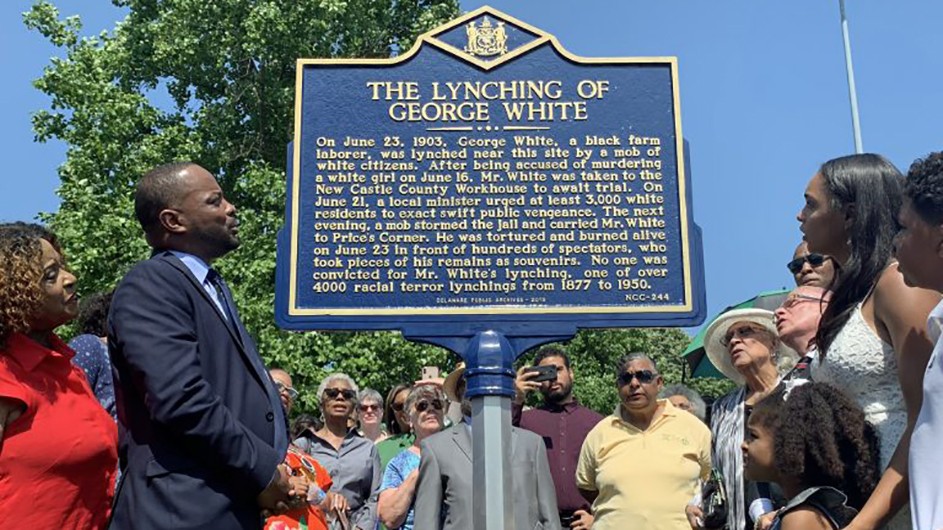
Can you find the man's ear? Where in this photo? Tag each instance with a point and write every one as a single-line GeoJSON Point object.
{"type": "Point", "coordinates": [172, 221]}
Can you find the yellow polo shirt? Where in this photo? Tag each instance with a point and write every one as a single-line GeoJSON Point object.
{"type": "Point", "coordinates": [645, 478]}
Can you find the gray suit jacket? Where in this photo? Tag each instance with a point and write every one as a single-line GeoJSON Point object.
{"type": "Point", "coordinates": [444, 493]}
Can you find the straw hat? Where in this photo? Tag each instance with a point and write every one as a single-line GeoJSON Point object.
{"type": "Point", "coordinates": [720, 357]}
{"type": "Point", "coordinates": [451, 382]}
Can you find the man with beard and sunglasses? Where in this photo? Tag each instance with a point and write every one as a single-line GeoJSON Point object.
{"type": "Point", "coordinates": [641, 466]}
{"type": "Point", "coordinates": [563, 424]}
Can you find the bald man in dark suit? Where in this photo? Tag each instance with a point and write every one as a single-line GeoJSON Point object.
{"type": "Point", "coordinates": [203, 427]}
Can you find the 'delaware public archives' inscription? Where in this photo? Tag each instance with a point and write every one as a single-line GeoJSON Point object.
{"type": "Point", "coordinates": [487, 171]}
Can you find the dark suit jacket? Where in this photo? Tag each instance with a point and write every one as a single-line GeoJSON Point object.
{"type": "Point", "coordinates": [444, 491]}
{"type": "Point", "coordinates": [196, 415]}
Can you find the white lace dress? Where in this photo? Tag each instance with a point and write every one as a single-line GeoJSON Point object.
{"type": "Point", "coordinates": [865, 367]}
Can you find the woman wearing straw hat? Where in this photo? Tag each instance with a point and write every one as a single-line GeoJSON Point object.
{"type": "Point", "coordinates": [744, 346]}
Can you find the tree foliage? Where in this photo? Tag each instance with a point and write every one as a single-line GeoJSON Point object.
{"type": "Point", "coordinates": [213, 82]}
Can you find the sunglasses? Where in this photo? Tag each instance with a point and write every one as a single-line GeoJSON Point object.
{"type": "Point", "coordinates": [815, 260]}
{"type": "Point", "coordinates": [292, 393]}
{"type": "Point", "coordinates": [332, 393]}
{"type": "Point", "coordinates": [398, 407]}
{"type": "Point", "coordinates": [424, 405]}
{"type": "Point", "coordinates": [367, 408]}
{"type": "Point", "coordinates": [744, 332]}
{"type": "Point", "coordinates": [644, 377]}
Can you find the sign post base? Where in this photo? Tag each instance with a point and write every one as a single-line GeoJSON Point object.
{"type": "Point", "coordinates": [490, 374]}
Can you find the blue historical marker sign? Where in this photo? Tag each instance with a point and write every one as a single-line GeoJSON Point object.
{"type": "Point", "coordinates": [488, 177]}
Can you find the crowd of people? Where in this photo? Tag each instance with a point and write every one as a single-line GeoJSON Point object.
{"type": "Point", "coordinates": [161, 413]}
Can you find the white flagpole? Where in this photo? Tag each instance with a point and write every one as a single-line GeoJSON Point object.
{"type": "Point", "coordinates": [852, 93]}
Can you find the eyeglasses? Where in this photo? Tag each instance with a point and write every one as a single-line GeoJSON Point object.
{"type": "Point", "coordinates": [292, 393]}
{"type": "Point", "coordinates": [815, 259]}
{"type": "Point", "coordinates": [367, 408]}
{"type": "Point", "coordinates": [644, 377]}
{"type": "Point", "coordinates": [796, 299]}
{"type": "Point", "coordinates": [744, 332]}
{"type": "Point", "coordinates": [332, 393]}
{"type": "Point", "coordinates": [398, 407]}
{"type": "Point", "coordinates": [424, 405]}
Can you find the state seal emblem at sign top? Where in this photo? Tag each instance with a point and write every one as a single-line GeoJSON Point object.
{"type": "Point", "coordinates": [486, 40]}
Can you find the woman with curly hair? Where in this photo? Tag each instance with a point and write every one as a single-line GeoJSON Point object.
{"type": "Point", "coordinates": [58, 447]}
{"type": "Point", "coordinates": [819, 448]}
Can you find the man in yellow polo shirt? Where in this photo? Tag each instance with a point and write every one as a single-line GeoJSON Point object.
{"type": "Point", "coordinates": [640, 467]}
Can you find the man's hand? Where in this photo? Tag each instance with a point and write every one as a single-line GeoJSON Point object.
{"type": "Point", "coordinates": [695, 516]}
{"type": "Point", "coordinates": [277, 496]}
{"type": "Point", "coordinates": [523, 384]}
{"type": "Point", "coordinates": [10, 410]}
{"type": "Point", "coordinates": [584, 520]}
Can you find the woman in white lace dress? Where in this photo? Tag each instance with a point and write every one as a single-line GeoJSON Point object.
{"type": "Point", "coordinates": [872, 335]}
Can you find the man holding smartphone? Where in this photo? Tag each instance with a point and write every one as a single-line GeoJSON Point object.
{"type": "Point", "coordinates": [562, 423]}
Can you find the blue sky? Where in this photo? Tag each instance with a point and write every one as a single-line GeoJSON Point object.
{"type": "Point", "coordinates": [764, 102]}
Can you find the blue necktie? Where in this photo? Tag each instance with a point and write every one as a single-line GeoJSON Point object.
{"type": "Point", "coordinates": [229, 309]}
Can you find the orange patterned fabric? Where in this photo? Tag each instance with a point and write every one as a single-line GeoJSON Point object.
{"type": "Point", "coordinates": [308, 517]}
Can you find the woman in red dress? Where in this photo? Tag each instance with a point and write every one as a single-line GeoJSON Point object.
{"type": "Point", "coordinates": [58, 446]}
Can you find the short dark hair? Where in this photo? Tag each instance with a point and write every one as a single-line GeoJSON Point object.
{"type": "Point", "coordinates": [634, 356]}
{"type": "Point", "coordinates": [93, 314]}
{"type": "Point", "coordinates": [551, 351]}
{"type": "Point", "coordinates": [924, 187]}
{"type": "Point", "coordinates": [157, 190]}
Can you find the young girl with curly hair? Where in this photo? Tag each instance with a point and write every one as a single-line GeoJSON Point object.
{"type": "Point", "coordinates": [818, 447]}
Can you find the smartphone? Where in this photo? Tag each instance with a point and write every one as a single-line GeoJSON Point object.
{"type": "Point", "coordinates": [544, 373]}
{"type": "Point", "coordinates": [429, 372]}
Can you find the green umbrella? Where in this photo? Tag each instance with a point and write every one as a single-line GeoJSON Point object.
{"type": "Point", "coordinates": [700, 364]}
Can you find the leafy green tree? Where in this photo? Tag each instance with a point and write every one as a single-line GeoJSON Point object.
{"type": "Point", "coordinates": [213, 82]}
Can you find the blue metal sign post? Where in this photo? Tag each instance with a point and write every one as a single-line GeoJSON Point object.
{"type": "Point", "coordinates": [487, 191]}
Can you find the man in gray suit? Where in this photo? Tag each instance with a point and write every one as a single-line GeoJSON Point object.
{"type": "Point", "coordinates": [444, 494]}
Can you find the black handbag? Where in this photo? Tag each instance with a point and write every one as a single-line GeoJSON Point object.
{"type": "Point", "coordinates": [714, 501]}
